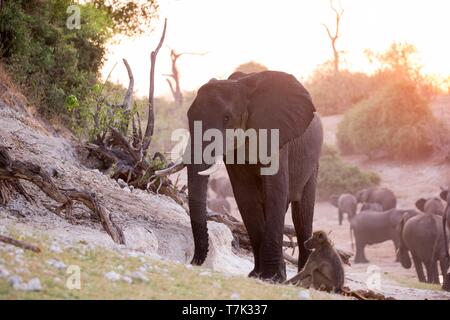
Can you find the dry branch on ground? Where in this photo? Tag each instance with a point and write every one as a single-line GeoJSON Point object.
{"type": "Point", "coordinates": [12, 171]}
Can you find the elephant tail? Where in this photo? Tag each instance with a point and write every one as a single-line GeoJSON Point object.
{"type": "Point", "coordinates": [403, 250]}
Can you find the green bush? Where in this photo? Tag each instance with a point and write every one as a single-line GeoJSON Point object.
{"type": "Point", "coordinates": [335, 93]}
{"type": "Point", "coordinates": [58, 67]}
{"type": "Point", "coordinates": [393, 123]}
{"type": "Point", "coordinates": [48, 60]}
{"type": "Point", "coordinates": [337, 177]}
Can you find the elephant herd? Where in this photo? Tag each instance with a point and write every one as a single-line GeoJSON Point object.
{"type": "Point", "coordinates": [420, 235]}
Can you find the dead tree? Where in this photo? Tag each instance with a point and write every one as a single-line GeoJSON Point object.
{"type": "Point", "coordinates": [173, 79]}
{"type": "Point", "coordinates": [125, 157]}
{"type": "Point", "coordinates": [335, 36]}
{"type": "Point", "coordinates": [147, 139]}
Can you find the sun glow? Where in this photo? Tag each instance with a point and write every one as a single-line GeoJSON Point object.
{"type": "Point", "coordinates": [285, 35]}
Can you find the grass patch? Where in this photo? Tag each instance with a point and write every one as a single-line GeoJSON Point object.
{"type": "Point", "coordinates": [167, 280]}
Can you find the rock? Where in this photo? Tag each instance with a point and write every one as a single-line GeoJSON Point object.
{"type": "Point", "coordinates": [113, 276]}
{"type": "Point", "coordinates": [235, 296]}
{"type": "Point", "coordinates": [140, 239]}
{"type": "Point", "coordinates": [205, 274]}
{"type": "Point", "coordinates": [304, 295]}
{"type": "Point", "coordinates": [56, 264]}
{"type": "Point", "coordinates": [137, 275]}
{"type": "Point", "coordinates": [220, 255]}
{"type": "Point", "coordinates": [126, 189]}
{"type": "Point", "coordinates": [34, 285]}
{"type": "Point", "coordinates": [14, 281]}
{"type": "Point", "coordinates": [188, 266]}
{"type": "Point", "coordinates": [127, 279]}
{"type": "Point", "coordinates": [3, 272]}
{"type": "Point", "coordinates": [122, 183]}
{"type": "Point", "coordinates": [55, 248]}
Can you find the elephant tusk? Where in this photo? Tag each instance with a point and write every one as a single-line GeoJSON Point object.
{"type": "Point", "coordinates": [174, 167]}
{"type": "Point", "coordinates": [218, 163]}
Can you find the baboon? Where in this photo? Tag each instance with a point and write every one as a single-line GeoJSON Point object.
{"type": "Point", "coordinates": [323, 269]}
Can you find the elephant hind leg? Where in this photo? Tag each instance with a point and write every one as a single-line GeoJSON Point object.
{"type": "Point", "coordinates": [432, 272]}
{"type": "Point", "coordinates": [302, 216]}
{"type": "Point", "coordinates": [419, 268]}
{"type": "Point", "coordinates": [360, 256]}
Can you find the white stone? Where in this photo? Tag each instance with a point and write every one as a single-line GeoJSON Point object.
{"type": "Point", "coordinates": [56, 264]}
{"type": "Point", "coordinates": [113, 276]}
{"type": "Point", "coordinates": [122, 183]}
{"type": "Point", "coordinates": [304, 295]}
{"type": "Point", "coordinates": [55, 248]}
{"type": "Point", "coordinates": [34, 285]}
{"type": "Point", "coordinates": [139, 276]}
{"type": "Point", "coordinates": [14, 281]}
{"type": "Point", "coordinates": [235, 296]}
{"type": "Point", "coordinates": [140, 239]}
{"type": "Point", "coordinates": [3, 272]}
{"type": "Point", "coordinates": [127, 279]}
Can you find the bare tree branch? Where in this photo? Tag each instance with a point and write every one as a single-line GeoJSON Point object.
{"type": "Point", "coordinates": [147, 139]}
{"type": "Point", "coordinates": [175, 86]}
{"type": "Point", "coordinates": [128, 99]}
{"type": "Point", "coordinates": [19, 244]}
{"type": "Point", "coordinates": [17, 170]}
{"type": "Point", "coordinates": [334, 37]}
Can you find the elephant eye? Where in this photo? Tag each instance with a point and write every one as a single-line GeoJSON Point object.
{"type": "Point", "coordinates": [226, 118]}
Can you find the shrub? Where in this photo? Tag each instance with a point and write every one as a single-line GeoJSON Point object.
{"type": "Point", "coordinates": [393, 123]}
{"type": "Point", "coordinates": [337, 177]}
{"type": "Point", "coordinates": [335, 93]}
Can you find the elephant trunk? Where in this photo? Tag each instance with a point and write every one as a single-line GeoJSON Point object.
{"type": "Point", "coordinates": [197, 186]}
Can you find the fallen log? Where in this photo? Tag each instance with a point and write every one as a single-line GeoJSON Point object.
{"type": "Point", "coordinates": [20, 244]}
{"type": "Point", "coordinates": [240, 235]}
{"type": "Point", "coordinates": [12, 171]}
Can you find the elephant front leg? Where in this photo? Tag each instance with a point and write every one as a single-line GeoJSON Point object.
{"type": "Point", "coordinates": [247, 188]}
{"type": "Point", "coordinates": [272, 263]}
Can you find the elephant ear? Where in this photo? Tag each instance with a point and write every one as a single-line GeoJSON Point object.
{"type": "Point", "coordinates": [237, 75]}
{"type": "Point", "coordinates": [444, 195]}
{"type": "Point", "coordinates": [276, 100]}
{"type": "Point", "coordinates": [420, 204]}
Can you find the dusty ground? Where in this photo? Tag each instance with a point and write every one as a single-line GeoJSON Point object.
{"type": "Point", "coordinates": [409, 181]}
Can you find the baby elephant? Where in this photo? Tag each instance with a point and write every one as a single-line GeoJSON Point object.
{"type": "Point", "coordinates": [346, 203]}
{"type": "Point", "coordinates": [323, 269]}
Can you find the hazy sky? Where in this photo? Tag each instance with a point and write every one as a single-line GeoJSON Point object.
{"type": "Point", "coordinates": [285, 35]}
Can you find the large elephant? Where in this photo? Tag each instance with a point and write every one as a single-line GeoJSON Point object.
{"type": "Point", "coordinates": [382, 196]}
{"type": "Point", "coordinates": [422, 235]}
{"type": "Point", "coordinates": [370, 227]}
{"type": "Point", "coordinates": [261, 101]}
{"type": "Point", "coordinates": [445, 195]}
{"type": "Point", "coordinates": [346, 203]}
{"type": "Point", "coordinates": [432, 206]}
